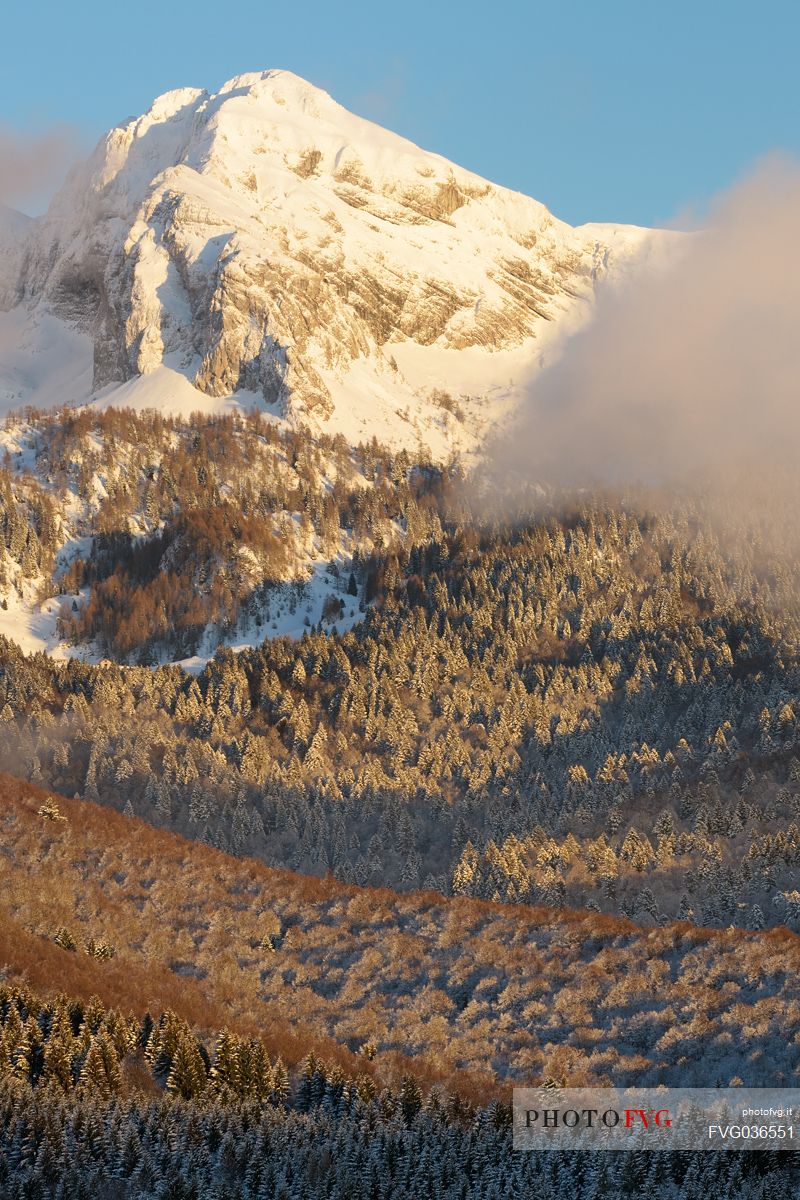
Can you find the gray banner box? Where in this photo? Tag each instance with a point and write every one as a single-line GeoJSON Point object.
{"type": "Point", "coordinates": [729, 1119]}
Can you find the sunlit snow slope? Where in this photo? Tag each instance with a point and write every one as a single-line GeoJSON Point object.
{"type": "Point", "coordinates": [262, 245]}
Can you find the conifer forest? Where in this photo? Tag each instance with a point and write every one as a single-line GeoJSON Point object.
{"type": "Point", "coordinates": [352, 795]}
{"type": "Point", "coordinates": [399, 601]}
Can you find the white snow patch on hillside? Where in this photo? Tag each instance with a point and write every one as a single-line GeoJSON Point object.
{"type": "Point", "coordinates": [32, 625]}
{"type": "Point", "coordinates": [293, 609]}
{"type": "Point", "coordinates": [43, 362]}
{"type": "Point", "coordinates": [169, 391]}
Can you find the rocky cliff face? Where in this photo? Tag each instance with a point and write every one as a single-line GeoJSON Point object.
{"type": "Point", "coordinates": [264, 239]}
{"type": "Point", "coordinates": [14, 233]}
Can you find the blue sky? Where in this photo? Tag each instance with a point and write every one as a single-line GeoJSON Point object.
{"type": "Point", "coordinates": [626, 111]}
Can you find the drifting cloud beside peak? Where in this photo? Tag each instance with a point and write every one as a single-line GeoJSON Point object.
{"type": "Point", "coordinates": [32, 166]}
{"type": "Point", "coordinates": [689, 372]}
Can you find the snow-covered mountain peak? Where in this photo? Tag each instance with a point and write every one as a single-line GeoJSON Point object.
{"type": "Point", "coordinates": [168, 105]}
{"type": "Point", "coordinates": [279, 85]}
{"type": "Point", "coordinates": [263, 243]}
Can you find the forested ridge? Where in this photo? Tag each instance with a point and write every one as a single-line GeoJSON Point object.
{"type": "Point", "coordinates": [94, 1104]}
{"type": "Point", "coordinates": [125, 1074]}
{"type": "Point", "coordinates": [521, 804]}
{"type": "Point", "coordinates": [472, 990]}
{"type": "Point", "coordinates": [566, 704]}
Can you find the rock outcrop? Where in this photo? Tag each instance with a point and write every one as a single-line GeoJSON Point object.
{"type": "Point", "coordinates": [264, 239]}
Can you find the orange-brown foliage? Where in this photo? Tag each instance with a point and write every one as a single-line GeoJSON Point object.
{"type": "Point", "coordinates": [474, 992]}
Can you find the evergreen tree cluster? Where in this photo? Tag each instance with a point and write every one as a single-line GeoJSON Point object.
{"type": "Point", "coordinates": [474, 991]}
{"type": "Point", "coordinates": [93, 1104]}
{"type": "Point", "coordinates": [526, 697]}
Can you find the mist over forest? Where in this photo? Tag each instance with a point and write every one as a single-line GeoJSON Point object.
{"type": "Point", "coordinates": [399, 664]}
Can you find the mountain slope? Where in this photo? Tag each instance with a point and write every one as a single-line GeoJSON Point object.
{"type": "Point", "coordinates": [502, 992]}
{"type": "Point", "coordinates": [14, 230]}
{"type": "Point", "coordinates": [264, 242]}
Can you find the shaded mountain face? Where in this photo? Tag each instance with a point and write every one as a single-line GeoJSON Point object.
{"type": "Point", "coordinates": [264, 240]}
{"type": "Point", "coordinates": [14, 231]}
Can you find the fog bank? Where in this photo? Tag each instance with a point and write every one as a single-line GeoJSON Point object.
{"type": "Point", "coordinates": [689, 374]}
